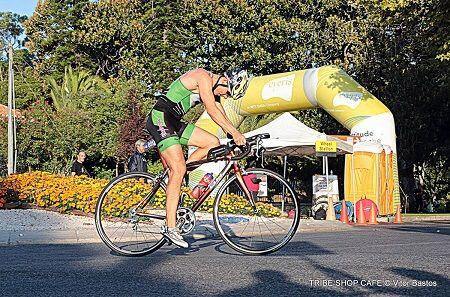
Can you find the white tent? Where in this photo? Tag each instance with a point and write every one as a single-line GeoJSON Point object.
{"type": "Point", "coordinates": [290, 137]}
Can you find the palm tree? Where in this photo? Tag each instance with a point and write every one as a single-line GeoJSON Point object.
{"type": "Point", "coordinates": [75, 83]}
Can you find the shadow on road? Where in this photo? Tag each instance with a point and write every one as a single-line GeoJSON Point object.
{"type": "Point", "coordinates": [420, 282]}
{"type": "Point", "coordinates": [422, 229]}
{"type": "Point", "coordinates": [275, 283]}
{"type": "Point", "coordinates": [89, 269]}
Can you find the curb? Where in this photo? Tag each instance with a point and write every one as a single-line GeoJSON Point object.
{"type": "Point", "coordinates": [90, 235]}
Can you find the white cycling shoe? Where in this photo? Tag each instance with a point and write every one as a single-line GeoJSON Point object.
{"type": "Point", "coordinates": [174, 236]}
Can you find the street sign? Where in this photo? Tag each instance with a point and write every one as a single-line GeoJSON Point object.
{"type": "Point", "coordinates": [326, 148]}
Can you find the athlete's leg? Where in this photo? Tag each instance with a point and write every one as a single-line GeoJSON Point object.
{"type": "Point", "coordinates": [204, 141]}
{"type": "Point", "coordinates": [174, 158]}
{"type": "Point", "coordinates": [164, 163]}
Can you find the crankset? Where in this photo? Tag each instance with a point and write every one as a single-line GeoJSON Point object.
{"type": "Point", "coordinates": [185, 220]}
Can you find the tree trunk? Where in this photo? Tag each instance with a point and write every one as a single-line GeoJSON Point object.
{"type": "Point", "coordinates": [407, 183]}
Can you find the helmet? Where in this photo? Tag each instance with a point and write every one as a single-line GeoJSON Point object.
{"type": "Point", "coordinates": [237, 82]}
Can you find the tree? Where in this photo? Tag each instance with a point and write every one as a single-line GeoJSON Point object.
{"type": "Point", "coordinates": [131, 126]}
{"type": "Point", "coordinates": [27, 87]}
{"type": "Point", "coordinates": [74, 85]}
{"type": "Point", "coordinates": [143, 40]}
{"type": "Point", "coordinates": [51, 33]}
{"type": "Point", "coordinates": [398, 50]}
{"type": "Point", "coordinates": [10, 28]}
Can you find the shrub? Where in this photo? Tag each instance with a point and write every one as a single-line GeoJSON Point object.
{"type": "Point", "coordinates": [67, 193]}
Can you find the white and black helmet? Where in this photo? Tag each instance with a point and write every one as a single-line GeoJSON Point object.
{"type": "Point", "coordinates": [237, 82]}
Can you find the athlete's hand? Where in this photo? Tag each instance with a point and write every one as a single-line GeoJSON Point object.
{"type": "Point", "coordinates": [238, 138]}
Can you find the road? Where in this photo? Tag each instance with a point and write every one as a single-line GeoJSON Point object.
{"type": "Point", "coordinates": [404, 260]}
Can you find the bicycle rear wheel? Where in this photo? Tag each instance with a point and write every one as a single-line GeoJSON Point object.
{"type": "Point", "coordinates": [123, 228]}
{"type": "Point", "coordinates": [262, 230]}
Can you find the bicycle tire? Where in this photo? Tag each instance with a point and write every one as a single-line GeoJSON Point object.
{"type": "Point", "coordinates": [104, 219]}
{"type": "Point", "coordinates": [240, 243]}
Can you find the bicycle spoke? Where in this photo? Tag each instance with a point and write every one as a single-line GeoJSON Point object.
{"type": "Point", "coordinates": [269, 230]}
{"type": "Point", "coordinates": [278, 225]}
{"type": "Point", "coordinates": [265, 230]}
{"type": "Point", "coordinates": [151, 233]}
{"type": "Point", "coordinates": [251, 238]}
{"type": "Point", "coordinates": [244, 228]}
{"type": "Point", "coordinates": [124, 230]}
{"type": "Point", "coordinates": [260, 233]}
{"type": "Point", "coordinates": [116, 230]}
{"type": "Point", "coordinates": [118, 225]}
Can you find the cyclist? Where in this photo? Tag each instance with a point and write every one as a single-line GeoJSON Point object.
{"type": "Point", "coordinates": [165, 125]}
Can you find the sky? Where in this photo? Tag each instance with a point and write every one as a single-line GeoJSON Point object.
{"type": "Point", "coordinates": [22, 7]}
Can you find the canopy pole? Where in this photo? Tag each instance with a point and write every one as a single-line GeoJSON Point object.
{"type": "Point", "coordinates": [323, 165]}
{"type": "Point", "coordinates": [284, 175]}
{"type": "Point", "coordinates": [326, 174]}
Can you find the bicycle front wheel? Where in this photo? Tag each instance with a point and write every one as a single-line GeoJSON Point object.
{"type": "Point", "coordinates": [125, 229]}
{"type": "Point", "coordinates": [261, 227]}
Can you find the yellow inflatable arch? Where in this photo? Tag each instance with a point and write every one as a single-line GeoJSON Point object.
{"type": "Point", "coordinates": [327, 87]}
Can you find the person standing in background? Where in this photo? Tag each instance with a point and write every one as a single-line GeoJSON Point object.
{"type": "Point", "coordinates": [78, 167]}
{"type": "Point", "coordinates": [137, 161]}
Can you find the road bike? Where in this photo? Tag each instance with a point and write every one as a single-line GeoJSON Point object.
{"type": "Point", "coordinates": [255, 211]}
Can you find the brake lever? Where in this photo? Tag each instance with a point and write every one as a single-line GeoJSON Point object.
{"type": "Point", "coordinates": [245, 150]}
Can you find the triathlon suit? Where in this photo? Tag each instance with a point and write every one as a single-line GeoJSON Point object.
{"type": "Point", "coordinates": [164, 120]}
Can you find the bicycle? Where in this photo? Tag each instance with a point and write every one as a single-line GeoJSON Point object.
{"type": "Point", "coordinates": [255, 211]}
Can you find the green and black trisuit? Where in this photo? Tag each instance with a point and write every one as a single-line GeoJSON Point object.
{"type": "Point", "coordinates": [164, 120]}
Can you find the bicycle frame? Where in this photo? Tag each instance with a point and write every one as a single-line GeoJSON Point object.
{"type": "Point", "coordinates": [219, 179]}
{"type": "Point", "coordinates": [266, 220]}
{"type": "Point", "coordinates": [206, 193]}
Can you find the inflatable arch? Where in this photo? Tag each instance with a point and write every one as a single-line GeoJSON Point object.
{"type": "Point", "coordinates": [326, 87]}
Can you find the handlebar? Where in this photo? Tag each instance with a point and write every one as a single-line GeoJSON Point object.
{"type": "Point", "coordinates": [250, 142]}
{"type": "Point", "coordinates": [222, 151]}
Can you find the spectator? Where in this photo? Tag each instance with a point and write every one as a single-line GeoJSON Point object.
{"type": "Point", "coordinates": [137, 161]}
{"type": "Point", "coordinates": [78, 167]}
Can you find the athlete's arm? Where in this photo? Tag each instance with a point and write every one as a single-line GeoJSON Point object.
{"type": "Point", "coordinates": [220, 107]}
{"type": "Point", "coordinates": [217, 115]}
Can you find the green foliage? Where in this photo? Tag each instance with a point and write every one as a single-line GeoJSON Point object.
{"type": "Point", "coordinates": [49, 140]}
{"type": "Point", "coordinates": [75, 84]}
{"type": "Point", "coordinates": [135, 39]}
{"type": "Point", "coordinates": [51, 33]}
{"type": "Point", "coordinates": [28, 88]}
{"type": "Point", "coordinates": [155, 167]}
{"type": "Point", "coordinates": [435, 176]}
{"type": "Point", "coordinates": [406, 75]}
{"type": "Point", "coordinates": [102, 173]}
{"type": "Point", "coordinates": [10, 27]}
{"type": "Point", "coordinates": [398, 50]}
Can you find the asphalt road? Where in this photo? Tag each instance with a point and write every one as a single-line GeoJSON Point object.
{"type": "Point", "coordinates": [405, 260]}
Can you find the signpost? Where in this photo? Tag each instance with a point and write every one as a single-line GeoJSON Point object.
{"type": "Point", "coordinates": [326, 149]}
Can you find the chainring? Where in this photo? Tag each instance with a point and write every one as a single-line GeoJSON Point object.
{"type": "Point", "coordinates": [185, 220]}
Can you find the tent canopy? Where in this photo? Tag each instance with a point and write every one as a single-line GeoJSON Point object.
{"type": "Point", "coordinates": [289, 136]}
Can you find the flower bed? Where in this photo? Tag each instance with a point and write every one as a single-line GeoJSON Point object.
{"type": "Point", "coordinates": [53, 191]}
{"type": "Point", "coordinates": [67, 193]}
